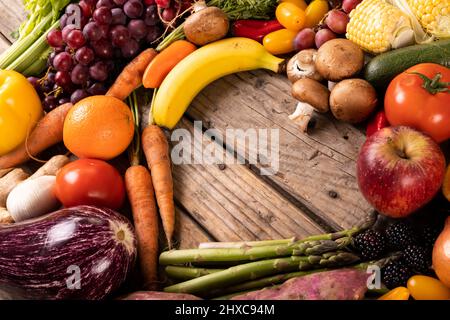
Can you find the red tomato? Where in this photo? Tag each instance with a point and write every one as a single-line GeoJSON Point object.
{"type": "Point", "coordinates": [90, 182]}
{"type": "Point", "coordinates": [409, 103]}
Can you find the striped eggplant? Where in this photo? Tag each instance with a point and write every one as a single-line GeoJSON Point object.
{"type": "Point", "coordinates": [82, 253]}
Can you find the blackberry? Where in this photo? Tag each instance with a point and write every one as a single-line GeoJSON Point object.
{"type": "Point", "coordinates": [400, 235]}
{"type": "Point", "coordinates": [429, 234]}
{"type": "Point", "coordinates": [396, 274]}
{"type": "Point", "coordinates": [370, 244]}
{"type": "Point", "coordinates": [418, 258]}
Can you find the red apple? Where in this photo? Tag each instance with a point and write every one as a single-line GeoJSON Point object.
{"type": "Point", "coordinates": [400, 170]}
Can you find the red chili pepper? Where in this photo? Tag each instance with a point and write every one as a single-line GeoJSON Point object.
{"type": "Point", "coordinates": [255, 29]}
{"type": "Point", "coordinates": [378, 122]}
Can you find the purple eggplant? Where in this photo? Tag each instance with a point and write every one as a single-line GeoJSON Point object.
{"type": "Point", "coordinates": [82, 253]}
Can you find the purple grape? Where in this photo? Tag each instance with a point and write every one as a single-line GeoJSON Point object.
{"type": "Point", "coordinates": [120, 2]}
{"type": "Point", "coordinates": [86, 8]}
{"type": "Point", "coordinates": [130, 49]}
{"type": "Point", "coordinates": [105, 3]}
{"type": "Point", "coordinates": [92, 32]}
{"type": "Point", "coordinates": [99, 71]}
{"type": "Point", "coordinates": [119, 36]}
{"type": "Point", "coordinates": [97, 89]}
{"type": "Point", "coordinates": [63, 21]}
{"type": "Point", "coordinates": [153, 34]}
{"type": "Point", "coordinates": [118, 16]}
{"type": "Point", "coordinates": [34, 81]}
{"type": "Point", "coordinates": [54, 38]}
{"type": "Point", "coordinates": [138, 29]}
{"type": "Point", "coordinates": [337, 21]}
{"type": "Point", "coordinates": [323, 36]}
{"type": "Point", "coordinates": [151, 17]}
{"type": "Point", "coordinates": [304, 39]}
{"type": "Point", "coordinates": [51, 77]}
{"type": "Point", "coordinates": [75, 39]}
{"type": "Point", "coordinates": [79, 75]}
{"type": "Point", "coordinates": [63, 101]}
{"type": "Point", "coordinates": [133, 9]}
{"type": "Point", "coordinates": [62, 79]}
{"type": "Point", "coordinates": [102, 15]}
{"type": "Point", "coordinates": [85, 56]}
{"type": "Point", "coordinates": [67, 29]}
{"type": "Point", "coordinates": [78, 95]}
{"type": "Point", "coordinates": [103, 49]}
{"type": "Point", "coordinates": [63, 62]}
{"type": "Point", "coordinates": [50, 102]}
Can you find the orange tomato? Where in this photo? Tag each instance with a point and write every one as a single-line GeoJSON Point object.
{"type": "Point", "coordinates": [427, 288]}
{"type": "Point", "coordinates": [299, 3]}
{"type": "Point", "coordinates": [413, 99]}
{"type": "Point", "coordinates": [98, 127]}
{"type": "Point", "coordinates": [290, 16]}
{"type": "Point", "coordinates": [400, 293]}
{"type": "Point", "coordinates": [315, 12]}
{"type": "Point", "coordinates": [280, 41]}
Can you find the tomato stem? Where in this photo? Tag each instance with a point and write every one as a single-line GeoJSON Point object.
{"type": "Point", "coordinates": [434, 85]}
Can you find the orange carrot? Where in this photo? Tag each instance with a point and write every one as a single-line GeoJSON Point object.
{"type": "Point", "coordinates": [48, 132]}
{"type": "Point", "coordinates": [156, 149]}
{"type": "Point", "coordinates": [145, 214]}
{"type": "Point", "coordinates": [131, 76]}
{"type": "Point", "coordinates": [160, 67]}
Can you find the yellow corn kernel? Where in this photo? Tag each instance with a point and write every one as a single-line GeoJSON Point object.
{"type": "Point", "coordinates": [433, 15]}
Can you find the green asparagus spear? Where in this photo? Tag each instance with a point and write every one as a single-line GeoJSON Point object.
{"type": "Point", "coordinates": [254, 270]}
{"type": "Point", "coordinates": [187, 273]}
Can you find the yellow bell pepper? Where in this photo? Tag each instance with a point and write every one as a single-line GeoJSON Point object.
{"type": "Point", "coordinates": [20, 109]}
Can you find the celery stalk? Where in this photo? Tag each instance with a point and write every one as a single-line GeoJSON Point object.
{"type": "Point", "coordinates": [21, 46]}
{"type": "Point", "coordinates": [39, 65]}
{"type": "Point", "coordinates": [32, 53]}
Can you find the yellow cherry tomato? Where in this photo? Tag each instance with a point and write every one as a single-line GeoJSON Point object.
{"type": "Point", "coordinates": [315, 12]}
{"type": "Point", "coordinates": [290, 16]}
{"type": "Point", "coordinates": [280, 41]}
{"type": "Point", "coordinates": [299, 3]}
{"type": "Point", "coordinates": [427, 288]}
{"type": "Point", "coordinates": [20, 109]}
{"type": "Point", "coordinates": [400, 293]}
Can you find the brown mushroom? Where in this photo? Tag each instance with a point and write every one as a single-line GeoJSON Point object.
{"type": "Point", "coordinates": [312, 96]}
{"type": "Point", "coordinates": [339, 59]}
{"type": "Point", "coordinates": [353, 100]}
{"type": "Point", "coordinates": [206, 24]}
{"type": "Point", "coordinates": [302, 65]}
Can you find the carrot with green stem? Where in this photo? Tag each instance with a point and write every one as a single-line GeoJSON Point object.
{"type": "Point", "coordinates": [156, 150]}
{"type": "Point", "coordinates": [48, 132]}
{"type": "Point", "coordinates": [138, 182]}
{"type": "Point", "coordinates": [131, 76]}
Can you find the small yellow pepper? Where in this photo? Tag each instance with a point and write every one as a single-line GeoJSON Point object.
{"type": "Point", "coordinates": [280, 41]}
{"type": "Point", "coordinates": [400, 293]}
{"type": "Point", "coordinates": [427, 288]}
{"type": "Point", "coordinates": [290, 16]}
{"type": "Point", "coordinates": [299, 3]}
{"type": "Point", "coordinates": [20, 109]}
{"type": "Point", "coordinates": [315, 12]}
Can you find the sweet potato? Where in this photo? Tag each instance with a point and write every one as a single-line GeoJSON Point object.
{"type": "Point", "coordinates": [343, 284]}
{"type": "Point", "coordinates": [154, 295]}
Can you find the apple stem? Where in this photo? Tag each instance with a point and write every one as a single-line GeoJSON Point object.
{"type": "Point", "coordinates": [434, 85]}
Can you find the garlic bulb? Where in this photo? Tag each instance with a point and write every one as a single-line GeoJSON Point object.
{"type": "Point", "coordinates": [32, 198]}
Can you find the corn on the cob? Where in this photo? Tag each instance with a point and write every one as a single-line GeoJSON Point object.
{"type": "Point", "coordinates": [377, 26]}
{"type": "Point", "coordinates": [433, 15]}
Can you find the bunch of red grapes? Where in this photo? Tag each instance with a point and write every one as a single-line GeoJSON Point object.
{"type": "Point", "coordinates": [88, 54]}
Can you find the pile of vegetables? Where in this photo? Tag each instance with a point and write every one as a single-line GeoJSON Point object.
{"type": "Point", "coordinates": [85, 98]}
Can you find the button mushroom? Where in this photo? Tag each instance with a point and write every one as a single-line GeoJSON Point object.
{"type": "Point", "coordinates": [302, 65]}
{"type": "Point", "coordinates": [312, 96]}
{"type": "Point", "coordinates": [353, 100]}
{"type": "Point", "coordinates": [339, 59]}
{"type": "Point", "coordinates": [206, 24]}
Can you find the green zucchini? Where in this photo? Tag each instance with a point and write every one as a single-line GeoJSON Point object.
{"type": "Point", "coordinates": [383, 68]}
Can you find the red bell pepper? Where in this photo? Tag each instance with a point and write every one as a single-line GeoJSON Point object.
{"type": "Point", "coordinates": [378, 122]}
{"type": "Point", "coordinates": [255, 29]}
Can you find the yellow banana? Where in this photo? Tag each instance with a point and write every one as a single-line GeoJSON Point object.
{"type": "Point", "coordinates": [202, 67]}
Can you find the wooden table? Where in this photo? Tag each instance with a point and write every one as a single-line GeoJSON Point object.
{"type": "Point", "coordinates": [315, 189]}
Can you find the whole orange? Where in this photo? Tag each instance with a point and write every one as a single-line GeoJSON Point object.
{"type": "Point", "coordinates": [98, 127]}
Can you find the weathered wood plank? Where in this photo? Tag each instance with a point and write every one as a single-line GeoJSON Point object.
{"type": "Point", "coordinates": [234, 204]}
{"type": "Point", "coordinates": [12, 15]}
{"type": "Point", "coordinates": [4, 44]}
{"type": "Point", "coordinates": [317, 169]}
{"type": "Point", "coordinates": [189, 233]}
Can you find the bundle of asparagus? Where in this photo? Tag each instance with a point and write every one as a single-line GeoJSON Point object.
{"type": "Point", "coordinates": [217, 269]}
